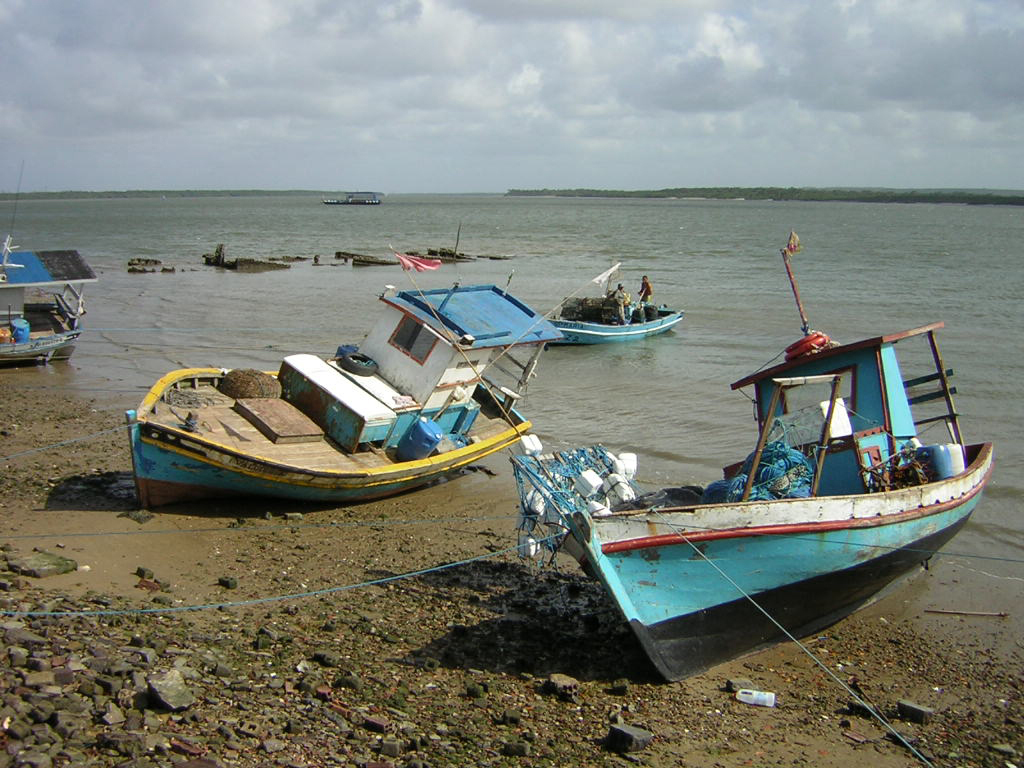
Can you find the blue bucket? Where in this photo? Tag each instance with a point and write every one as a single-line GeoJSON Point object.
{"type": "Point", "coordinates": [20, 330]}
{"type": "Point", "coordinates": [420, 440]}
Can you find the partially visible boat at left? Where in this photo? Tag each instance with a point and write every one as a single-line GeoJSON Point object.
{"type": "Point", "coordinates": [41, 304]}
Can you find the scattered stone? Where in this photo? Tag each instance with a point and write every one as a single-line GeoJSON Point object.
{"type": "Point", "coordinates": [734, 684]}
{"type": "Point", "coordinates": [510, 717]}
{"type": "Point", "coordinates": [620, 687]}
{"type": "Point", "coordinates": [627, 738]}
{"type": "Point", "coordinates": [228, 582]}
{"type": "Point", "coordinates": [169, 690]}
{"type": "Point", "coordinates": [563, 686]}
{"type": "Point", "coordinates": [516, 749]}
{"type": "Point", "coordinates": [915, 713]}
{"type": "Point", "coordinates": [40, 564]}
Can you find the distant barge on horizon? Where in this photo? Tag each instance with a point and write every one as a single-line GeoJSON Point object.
{"type": "Point", "coordinates": [354, 198]}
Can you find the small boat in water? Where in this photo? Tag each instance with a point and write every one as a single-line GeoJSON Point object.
{"type": "Point", "coordinates": [842, 494]}
{"type": "Point", "coordinates": [422, 397]}
{"type": "Point", "coordinates": [586, 320]}
{"type": "Point", "coordinates": [41, 303]}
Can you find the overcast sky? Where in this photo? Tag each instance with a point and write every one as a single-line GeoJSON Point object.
{"type": "Point", "coordinates": [487, 95]}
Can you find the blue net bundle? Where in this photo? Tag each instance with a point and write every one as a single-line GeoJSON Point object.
{"type": "Point", "coordinates": [782, 473]}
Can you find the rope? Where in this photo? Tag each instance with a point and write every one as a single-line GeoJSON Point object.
{"type": "Point", "coordinates": [63, 443]}
{"type": "Point", "coordinates": [260, 529]}
{"type": "Point", "coordinates": [258, 600]}
{"type": "Point", "coordinates": [857, 697]}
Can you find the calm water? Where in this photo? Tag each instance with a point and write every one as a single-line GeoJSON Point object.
{"type": "Point", "coordinates": [865, 270]}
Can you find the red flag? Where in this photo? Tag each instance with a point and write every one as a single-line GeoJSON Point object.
{"type": "Point", "coordinates": [416, 262]}
{"type": "Point", "coordinates": [793, 246]}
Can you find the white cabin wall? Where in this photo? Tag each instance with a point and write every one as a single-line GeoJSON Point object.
{"type": "Point", "coordinates": [12, 299]}
{"type": "Point", "coordinates": [404, 373]}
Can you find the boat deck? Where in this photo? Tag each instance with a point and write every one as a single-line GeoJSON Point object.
{"type": "Point", "coordinates": [218, 421]}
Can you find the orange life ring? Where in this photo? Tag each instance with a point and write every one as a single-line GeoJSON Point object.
{"type": "Point", "coordinates": [812, 342]}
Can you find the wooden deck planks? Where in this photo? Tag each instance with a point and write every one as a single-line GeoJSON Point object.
{"type": "Point", "coordinates": [219, 421]}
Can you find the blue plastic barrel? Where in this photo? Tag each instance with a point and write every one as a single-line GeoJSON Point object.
{"type": "Point", "coordinates": [20, 330]}
{"type": "Point", "coordinates": [938, 461]}
{"type": "Point", "coordinates": [420, 440]}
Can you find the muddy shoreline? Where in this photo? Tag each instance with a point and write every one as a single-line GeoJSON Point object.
{"type": "Point", "coordinates": [302, 639]}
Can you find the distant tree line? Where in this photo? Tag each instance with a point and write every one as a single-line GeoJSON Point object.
{"type": "Point", "coordinates": [972, 197]}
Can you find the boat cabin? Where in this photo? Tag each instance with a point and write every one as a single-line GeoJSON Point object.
{"type": "Point", "coordinates": [849, 408]}
{"type": "Point", "coordinates": [434, 358]}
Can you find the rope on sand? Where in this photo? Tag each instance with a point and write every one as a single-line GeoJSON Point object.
{"type": "Point", "coordinates": [257, 600]}
{"type": "Point", "coordinates": [62, 443]}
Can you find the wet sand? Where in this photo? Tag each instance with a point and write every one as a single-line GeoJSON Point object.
{"type": "Point", "coordinates": [452, 661]}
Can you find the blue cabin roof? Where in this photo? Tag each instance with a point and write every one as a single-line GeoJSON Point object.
{"type": "Point", "coordinates": [491, 316]}
{"type": "Point", "coordinates": [43, 268]}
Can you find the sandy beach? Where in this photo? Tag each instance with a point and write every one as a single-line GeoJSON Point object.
{"type": "Point", "coordinates": [407, 633]}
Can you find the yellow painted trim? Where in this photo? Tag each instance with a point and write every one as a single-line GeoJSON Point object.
{"type": "Point", "coordinates": [365, 479]}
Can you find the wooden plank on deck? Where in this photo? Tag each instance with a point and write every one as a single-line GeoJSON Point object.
{"type": "Point", "coordinates": [279, 420]}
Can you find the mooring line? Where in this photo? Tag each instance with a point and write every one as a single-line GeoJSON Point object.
{"type": "Point", "coordinates": [257, 600]}
{"type": "Point", "coordinates": [872, 710]}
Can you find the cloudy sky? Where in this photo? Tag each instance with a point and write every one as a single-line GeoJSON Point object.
{"type": "Point", "coordinates": [486, 95]}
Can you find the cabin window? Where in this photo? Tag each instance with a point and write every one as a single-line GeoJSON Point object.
{"type": "Point", "coordinates": [804, 409]}
{"type": "Point", "coordinates": [413, 338]}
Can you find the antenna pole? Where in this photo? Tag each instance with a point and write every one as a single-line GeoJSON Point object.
{"type": "Point", "coordinates": [793, 246]}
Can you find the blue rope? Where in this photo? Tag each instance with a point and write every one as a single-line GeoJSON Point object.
{"type": "Point", "coordinates": [61, 444]}
{"type": "Point", "coordinates": [258, 600]}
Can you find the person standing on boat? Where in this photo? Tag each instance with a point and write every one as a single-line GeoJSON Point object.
{"type": "Point", "coordinates": [646, 290]}
{"type": "Point", "coordinates": [621, 300]}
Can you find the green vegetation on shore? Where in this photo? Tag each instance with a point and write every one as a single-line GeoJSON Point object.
{"type": "Point", "coordinates": [968, 197]}
{"type": "Point", "coordinates": [822, 194]}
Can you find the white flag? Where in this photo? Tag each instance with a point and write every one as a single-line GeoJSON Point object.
{"type": "Point", "coordinates": [606, 274]}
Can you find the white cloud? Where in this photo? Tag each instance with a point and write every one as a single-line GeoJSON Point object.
{"type": "Point", "coordinates": [99, 94]}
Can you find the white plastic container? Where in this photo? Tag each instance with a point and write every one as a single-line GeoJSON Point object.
{"type": "Point", "coordinates": [529, 445]}
{"type": "Point", "coordinates": [618, 489]}
{"type": "Point", "coordinates": [588, 483]}
{"type": "Point", "coordinates": [618, 468]}
{"type": "Point", "coordinates": [628, 465]}
{"type": "Point", "coordinates": [528, 546]}
{"type": "Point", "coordinates": [957, 460]}
{"type": "Point", "coordinates": [535, 502]}
{"type": "Point", "coordinates": [757, 698]}
{"type": "Point", "coordinates": [598, 508]}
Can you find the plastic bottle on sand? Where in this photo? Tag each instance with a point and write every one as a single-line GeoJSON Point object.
{"type": "Point", "coordinates": [757, 698]}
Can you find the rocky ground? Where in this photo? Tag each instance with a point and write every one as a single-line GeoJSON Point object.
{"type": "Point", "coordinates": [403, 633]}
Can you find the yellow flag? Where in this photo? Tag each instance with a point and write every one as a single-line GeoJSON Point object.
{"type": "Point", "coordinates": [793, 246]}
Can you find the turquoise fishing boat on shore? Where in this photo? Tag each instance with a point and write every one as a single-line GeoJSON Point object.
{"type": "Point", "coordinates": [847, 489]}
{"type": "Point", "coordinates": [422, 397]}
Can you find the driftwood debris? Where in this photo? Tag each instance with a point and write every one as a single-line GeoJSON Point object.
{"type": "Point", "coordinates": [217, 259]}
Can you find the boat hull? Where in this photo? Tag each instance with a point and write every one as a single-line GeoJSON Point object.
{"type": "Point", "coordinates": [171, 466]}
{"type": "Point", "coordinates": [685, 595]}
{"type": "Point", "coordinates": [39, 349]}
{"type": "Point", "coordinates": [580, 332]}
